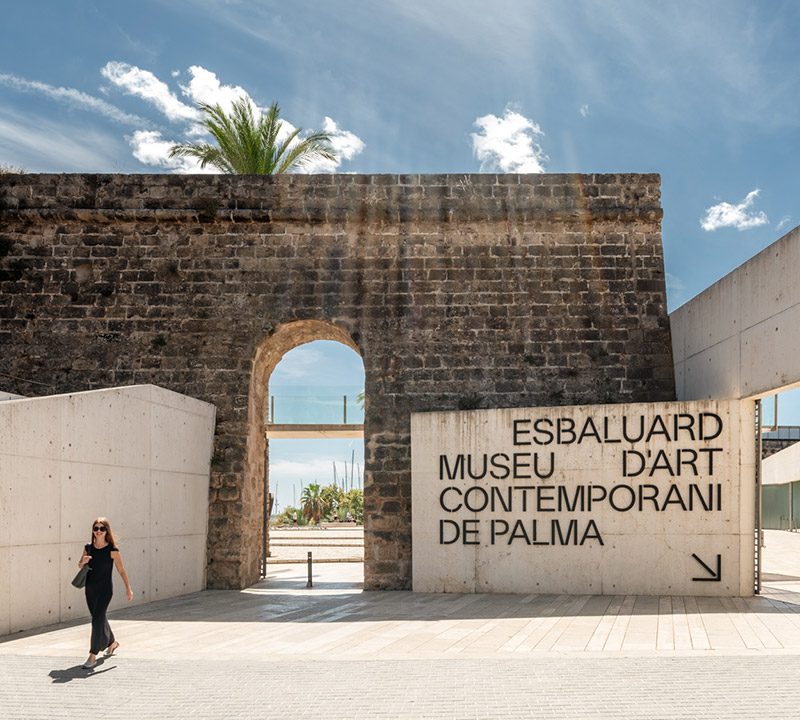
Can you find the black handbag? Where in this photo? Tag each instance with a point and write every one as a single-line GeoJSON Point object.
{"type": "Point", "coordinates": [80, 579]}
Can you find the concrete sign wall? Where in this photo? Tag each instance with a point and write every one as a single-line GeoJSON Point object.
{"type": "Point", "coordinates": [605, 499]}
{"type": "Point", "coordinates": [782, 467]}
{"type": "Point", "coordinates": [139, 455]}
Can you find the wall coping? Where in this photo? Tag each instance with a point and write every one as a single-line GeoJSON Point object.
{"type": "Point", "coordinates": [383, 199]}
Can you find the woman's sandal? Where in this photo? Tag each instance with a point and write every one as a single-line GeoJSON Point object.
{"type": "Point", "coordinates": [111, 649]}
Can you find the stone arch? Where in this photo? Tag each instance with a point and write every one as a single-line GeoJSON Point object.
{"type": "Point", "coordinates": [270, 350]}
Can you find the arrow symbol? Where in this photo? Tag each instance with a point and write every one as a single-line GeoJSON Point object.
{"type": "Point", "coordinates": [715, 576]}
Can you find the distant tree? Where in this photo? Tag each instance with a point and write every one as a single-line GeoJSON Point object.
{"type": "Point", "coordinates": [6, 169]}
{"type": "Point", "coordinates": [313, 503]}
{"type": "Point", "coordinates": [331, 497]}
{"type": "Point", "coordinates": [248, 145]}
{"type": "Point", "coordinates": [288, 516]}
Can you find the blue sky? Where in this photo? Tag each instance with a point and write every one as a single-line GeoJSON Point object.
{"type": "Point", "coordinates": [705, 93]}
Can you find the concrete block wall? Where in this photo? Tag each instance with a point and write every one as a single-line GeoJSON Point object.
{"type": "Point", "coordinates": [459, 291]}
{"type": "Point", "coordinates": [138, 455]}
{"type": "Point", "coordinates": [740, 338]}
{"type": "Point", "coordinates": [782, 467]}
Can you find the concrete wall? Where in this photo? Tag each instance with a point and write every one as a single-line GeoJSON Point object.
{"type": "Point", "coordinates": [138, 455]}
{"type": "Point", "coordinates": [458, 291]}
{"type": "Point", "coordinates": [629, 520]}
{"type": "Point", "coordinates": [782, 467]}
{"type": "Point", "coordinates": [741, 336]}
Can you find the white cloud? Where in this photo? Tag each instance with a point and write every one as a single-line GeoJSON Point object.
{"type": "Point", "coordinates": [346, 146]}
{"type": "Point", "coordinates": [308, 471]}
{"type": "Point", "coordinates": [73, 97]}
{"type": "Point", "coordinates": [195, 131]}
{"type": "Point", "coordinates": [149, 148]}
{"type": "Point", "coordinates": [584, 111]}
{"type": "Point", "coordinates": [739, 216]}
{"type": "Point", "coordinates": [783, 222]}
{"type": "Point", "coordinates": [508, 144]}
{"type": "Point", "coordinates": [143, 84]}
{"type": "Point", "coordinates": [205, 87]}
{"type": "Point", "coordinates": [297, 366]}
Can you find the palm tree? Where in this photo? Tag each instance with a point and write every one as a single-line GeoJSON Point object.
{"type": "Point", "coordinates": [313, 502]}
{"type": "Point", "coordinates": [246, 145]}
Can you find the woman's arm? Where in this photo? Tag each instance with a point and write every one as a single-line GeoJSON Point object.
{"type": "Point", "coordinates": [117, 558]}
{"type": "Point", "coordinates": [85, 558]}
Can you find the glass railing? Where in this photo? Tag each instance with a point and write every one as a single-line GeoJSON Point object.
{"type": "Point", "coordinates": [780, 506]}
{"type": "Point", "coordinates": [308, 405]}
{"type": "Point", "coordinates": [783, 432]}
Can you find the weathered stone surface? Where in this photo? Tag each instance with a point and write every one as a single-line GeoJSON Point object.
{"type": "Point", "coordinates": [459, 291]}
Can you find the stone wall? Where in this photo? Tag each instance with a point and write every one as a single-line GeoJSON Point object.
{"type": "Point", "coordinates": [459, 291]}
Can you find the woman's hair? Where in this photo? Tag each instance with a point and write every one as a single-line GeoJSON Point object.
{"type": "Point", "coordinates": [110, 539]}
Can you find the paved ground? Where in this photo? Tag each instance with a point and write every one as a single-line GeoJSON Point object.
{"type": "Point", "coordinates": [128, 688]}
{"type": "Point", "coordinates": [331, 543]}
{"type": "Point", "coordinates": [281, 650]}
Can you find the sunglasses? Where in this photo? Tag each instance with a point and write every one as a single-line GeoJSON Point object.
{"type": "Point", "coordinates": [99, 528]}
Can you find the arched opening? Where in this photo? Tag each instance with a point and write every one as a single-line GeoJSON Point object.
{"type": "Point", "coordinates": [254, 498]}
{"type": "Point", "coordinates": [315, 456]}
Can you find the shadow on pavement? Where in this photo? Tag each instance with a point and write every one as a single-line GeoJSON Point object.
{"type": "Point", "coordinates": [324, 605]}
{"type": "Point", "coordinates": [775, 577]}
{"type": "Point", "coordinates": [78, 672]}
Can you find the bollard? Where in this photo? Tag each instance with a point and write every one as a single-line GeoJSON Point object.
{"type": "Point", "coordinates": [309, 583]}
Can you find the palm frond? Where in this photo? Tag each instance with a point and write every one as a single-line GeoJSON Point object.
{"type": "Point", "coordinates": [246, 144]}
{"type": "Point", "coordinates": [306, 151]}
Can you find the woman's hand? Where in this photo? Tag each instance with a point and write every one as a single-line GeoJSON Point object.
{"type": "Point", "coordinates": [130, 593]}
{"type": "Point", "coordinates": [84, 559]}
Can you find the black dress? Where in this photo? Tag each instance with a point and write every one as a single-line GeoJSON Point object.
{"type": "Point", "coordinates": [99, 590]}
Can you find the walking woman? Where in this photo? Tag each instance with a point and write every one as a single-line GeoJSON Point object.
{"type": "Point", "coordinates": [102, 554]}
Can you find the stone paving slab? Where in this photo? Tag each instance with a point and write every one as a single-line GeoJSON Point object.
{"type": "Point", "coordinates": [280, 617]}
{"type": "Point", "coordinates": [124, 688]}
